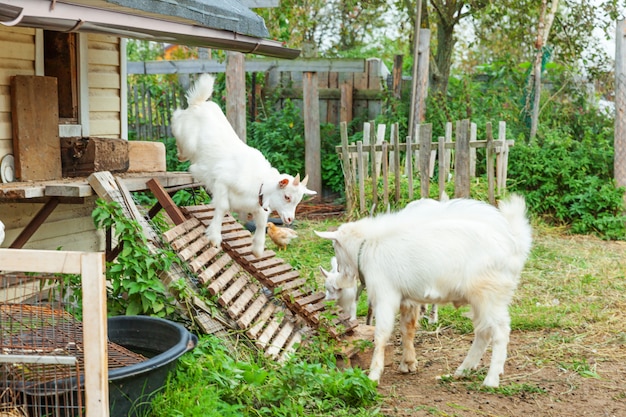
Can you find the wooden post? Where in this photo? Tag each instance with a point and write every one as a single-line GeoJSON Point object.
{"type": "Point", "coordinates": [619, 161]}
{"type": "Point", "coordinates": [346, 102]}
{"type": "Point", "coordinates": [416, 40]}
{"type": "Point", "coordinates": [409, 162]}
{"type": "Point", "coordinates": [361, 174]}
{"type": "Point", "coordinates": [395, 143]}
{"type": "Point", "coordinates": [472, 150]}
{"type": "Point", "coordinates": [385, 167]}
{"type": "Point", "coordinates": [396, 85]}
{"type": "Point", "coordinates": [490, 164]}
{"type": "Point", "coordinates": [347, 167]}
{"type": "Point", "coordinates": [461, 161]}
{"type": "Point", "coordinates": [425, 141]}
{"type": "Point", "coordinates": [502, 159]}
{"type": "Point", "coordinates": [312, 141]}
{"type": "Point", "coordinates": [236, 92]}
{"type": "Point", "coordinates": [373, 169]}
{"type": "Point", "coordinates": [443, 172]}
{"type": "Point", "coordinates": [95, 335]}
{"type": "Point", "coordinates": [422, 75]}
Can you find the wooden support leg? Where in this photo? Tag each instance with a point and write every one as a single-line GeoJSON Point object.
{"type": "Point", "coordinates": [35, 223]}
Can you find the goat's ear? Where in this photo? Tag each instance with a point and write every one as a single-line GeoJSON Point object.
{"type": "Point", "coordinates": [333, 264]}
{"type": "Point", "coordinates": [326, 235]}
{"type": "Point", "coordinates": [283, 183]}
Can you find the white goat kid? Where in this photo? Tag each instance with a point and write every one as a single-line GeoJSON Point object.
{"type": "Point", "coordinates": [238, 177]}
{"type": "Point", "coordinates": [465, 252]}
{"type": "Point", "coordinates": [346, 298]}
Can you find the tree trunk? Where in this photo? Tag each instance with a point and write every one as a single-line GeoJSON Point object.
{"type": "Point", "coordinates": [443, 60]}
{"type": "Point", "coordinates": [543, 30]}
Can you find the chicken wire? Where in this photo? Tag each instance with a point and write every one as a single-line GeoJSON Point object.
{"type": "Point", "coordinates": [41, 349]}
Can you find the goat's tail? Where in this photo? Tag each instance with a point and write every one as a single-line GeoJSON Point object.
{"type": "Point", "coordinates": [514, 211]}
{"type": "Point", "coordinates": [201, 91]}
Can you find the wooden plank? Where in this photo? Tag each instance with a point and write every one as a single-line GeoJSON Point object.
{"type": "Point", "coordinates": [312, 138]}
{"type": "Point", "coordinates": [174, 232]}
{"type": "Point", "coordinates": [242, 301]}
{"type": "Point", "coordinates": [288, 276]}
{"type": "Point", "coordinates": [249, 258]}
{"type": "Point", "coordinates": [223, 280]}
{"type": "Point", "coordinates": [28, 260]}
{"type": "Point", "coordinates": [269, 331]}
{"type": "Point", "coordinates": [188, 238]}
{"type": "Point", "coordinates": [191, 250]}
{"type": "Point", "coordinates": [295, 340]}
{"type": "Point", "coordinates": [203, 259]}
{"type": "Point", "coordinates": [236, 235]}
{"type": "Point", "coordinates": [461, 161]}
{"type": "Point", "coordinates": [313, 298]}
{"type": "Point", "coordinates": [265, 263]}
{"type": "Point", "coordinates": [425, 140]}
{"type": "Point", "coordinates": [229, 294]}
{"type": "Point", "coordinates": [238, 243]}
{"type": "Point", "coordinates": [164, 198]}
{"type": "Point", "coordinates": [277, 270]}
{"type": "Point", "coordinates": [35, 118]}
{"type": "Point", "coordinates": [490, 164]}
{"type": "Point", "coordinates": [280, 339]}
{"type": "Point", "coordinates": [95, 334]}
{"type": "Point", "coordinates": [252, 311]}
{"type": "Point", "coordinates": [361, 169]}
{"type": "Point", "coordinates": [216, 266]}
{"type": "Point", "coordinates": [261, 320]}
{"type": "Point", "coordinates": [292, 284]}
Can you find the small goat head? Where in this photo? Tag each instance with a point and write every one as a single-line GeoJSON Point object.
{"type": "Point", "coordinates": [285, 196]}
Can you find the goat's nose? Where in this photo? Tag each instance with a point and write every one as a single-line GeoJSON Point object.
{"type": "Point", "coordinates": [288, 220]}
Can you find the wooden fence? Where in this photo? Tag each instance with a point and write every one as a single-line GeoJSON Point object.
{"type": "Point", "coordinates": [375, 157]}
{"type": "Point", "coordinates": [149, 114]}
{"type": "Point", "coordinates": [347, 89]}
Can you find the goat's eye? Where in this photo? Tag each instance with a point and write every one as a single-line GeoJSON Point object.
{"type": "Point", "coordinates": [287, 198]}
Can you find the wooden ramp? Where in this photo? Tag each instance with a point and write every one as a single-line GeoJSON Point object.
{"type": "Point", "coordinates": [265, 297]}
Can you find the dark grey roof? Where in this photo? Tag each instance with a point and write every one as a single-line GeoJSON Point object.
{"type": "Point", "coordinates": [228, 15]}
{"type": "Point", "coordinates": [220, 24]}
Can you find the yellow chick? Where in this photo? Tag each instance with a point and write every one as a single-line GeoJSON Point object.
{"type": "Point", "coordinates": [281, 236]}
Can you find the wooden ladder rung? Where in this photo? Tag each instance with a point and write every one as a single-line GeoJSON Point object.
{"type": "Point", "coordinates": [280, 279]}
{"type": "Point", "coordinates": [261, 320]}
{"type": "Point", "coordinates": [281, 338]}
{"type": "Point", "coordinates": [313, 298]}
{"type": "Point", "coordinates": [191, 250]}
{"type": "Point", "coordinates": [269, 331]}
{"type": "Point", "coordinates": [231, 292]}
{"type": "Point", "coordinates": [176, 231]}
{"type": "Point", "coordinates": [187, 238]}
{"type": "Point", "coordinates": [277, 270]}
{"type": "Point", "coordinates": [223, 280]}
{"type": "Point", "coordinates": [242, 301]}
{"type": "Point", "coordinates": [204, 259]}
{"type": "Point", "coordinates": [251, 312]}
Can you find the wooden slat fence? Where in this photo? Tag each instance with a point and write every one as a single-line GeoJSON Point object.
{"type": "Point", "coordinates": [390, 160]}
{"type": "Point", "coordinates": [150, 112]}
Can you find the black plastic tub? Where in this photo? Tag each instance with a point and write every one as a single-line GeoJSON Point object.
{"type": "Point", "coordinates": [131, 388]}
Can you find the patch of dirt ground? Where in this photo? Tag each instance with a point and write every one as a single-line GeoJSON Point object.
{"type": "Point", "coordinates": [529, 387]}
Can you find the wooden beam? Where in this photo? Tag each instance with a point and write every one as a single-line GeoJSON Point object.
{"type": "Point", "coordinates": [312, 139]}
{"type": "Point", "coordinates": [35, 223]}
{"type": "Point", "coordinates": [236, 93]}
{"type": "Point", "coordinates": [198, 66]}
{"type": "Point", "coordinates": [92, 268]}
{"type": "Point", "coordinates": [166, 202]}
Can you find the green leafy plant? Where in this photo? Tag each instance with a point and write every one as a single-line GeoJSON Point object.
{"type": "Point", "coordinates": [134, 284]}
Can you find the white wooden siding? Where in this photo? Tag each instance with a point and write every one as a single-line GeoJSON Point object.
{"type": "Point", "coordinates": [70, 226]}
{"type": "Point", "coordinates": [105, 82]}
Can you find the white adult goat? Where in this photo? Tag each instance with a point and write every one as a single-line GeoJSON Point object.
{"type": "Point", "coordinates": [238, 177]}
{"type": "Point", "coordinates": [465, 252]}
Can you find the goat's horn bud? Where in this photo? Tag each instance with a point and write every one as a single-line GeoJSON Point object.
{"type": "Point", "coordinates": [296, 180]}
{"type": "Point", "coordinates": [305, 180]}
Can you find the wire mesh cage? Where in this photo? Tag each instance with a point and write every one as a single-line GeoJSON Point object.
{"type": "Point", "coordinates": [41, 348]}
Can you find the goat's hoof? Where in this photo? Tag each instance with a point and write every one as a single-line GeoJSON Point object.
{"type": "Point", "coordinates": [374, 376]}
{"type": "Point", "coordinates": [491, 381]}
{"type": "Point", "coordinates": [406, 368]}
